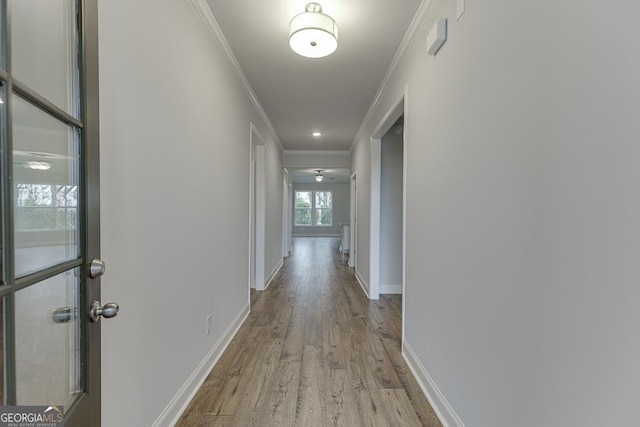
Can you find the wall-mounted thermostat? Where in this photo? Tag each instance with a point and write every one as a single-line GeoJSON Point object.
{"type": "Point", "coordinates": [437, 36]}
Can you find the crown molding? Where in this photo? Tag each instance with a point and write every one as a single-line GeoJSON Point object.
{"type": "Point", "coordinates": [214, 30]}
{"type": "Point", "coordinates": [409, 39]}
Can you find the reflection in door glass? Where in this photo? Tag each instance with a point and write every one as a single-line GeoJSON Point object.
{"type": "Point", "coordinates": [2, 323]}
{"type": "Point", "coordinates": [46, 173]}
{"type": "Point", "coordinates": [2, 117]}
{"type": "Point", "coordinates": [43, 37]}
{"type": "Point", "coordinates": [2, 27]}
{"type": "Point", "coordinates": [48, 341]}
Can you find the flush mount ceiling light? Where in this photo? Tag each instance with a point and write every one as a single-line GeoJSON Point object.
{"type": "Point", "coordinates": [319, 176]}
{"type": "Point", "coordinates": [316, 134]}
{"type": "Point", "coordinates": [312, 33]}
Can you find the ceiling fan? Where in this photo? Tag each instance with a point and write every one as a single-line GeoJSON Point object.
{"type": "Point", "coordinates": [319, 176]}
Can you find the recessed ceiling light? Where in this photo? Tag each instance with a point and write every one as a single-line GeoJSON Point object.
{"type": "Point", "coordinates": [316, 134]}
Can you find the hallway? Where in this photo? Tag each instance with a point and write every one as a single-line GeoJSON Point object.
{"type": "Point", "coordinates": [314, 352]}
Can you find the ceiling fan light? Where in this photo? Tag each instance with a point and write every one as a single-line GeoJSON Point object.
{"type": "Point", "coordinates": [319, 177]}
{"type": "Point", "coordinates": [313, 34]}
{"type": "Point", "coordinates": [41, 166]}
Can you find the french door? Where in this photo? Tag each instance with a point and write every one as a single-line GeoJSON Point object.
{"type": "Point", "coordinates": [49, 175]}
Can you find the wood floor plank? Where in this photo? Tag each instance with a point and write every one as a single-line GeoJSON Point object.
{"type": "Point", "coordinates": [259, 379]}
{"type": "Point", "coordinates": [333, 345]}
{"type": "Point", "coordinates": [246, 380]}
{"type": "Point", "coordinates": [293, 341]}
{"type": "Point", "coordinates": [280, 322]}
{"type": "Point", "coordinates": [197, 407]}
{"type": "Point", "coordinates": [398, 408]}
{"type": "Point", "coordinates": [215, 421]}
{"type": "Point", "coordinates": [418, 400]}
{"type": "Point", "coordinates": [314, 351]}
{"type": "Point", "coordinates": [312, 335]}
{"type": "Point", "coordinates": [311, 404]}
{"type": "Point", "coordinates": [279, 406]}
{"type": "Point", "coordinates": [341, 407]}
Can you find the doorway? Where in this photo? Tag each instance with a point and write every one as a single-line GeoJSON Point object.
{"type": "Point", "coordinates": [286, 214]}
{"type": "Point", "coordinates": [257, 210]}
{"type": "Point", "coordinates": [391, 204]}
{"type": "Point", "coordinates": [388, 200]}
{"type": "Point", "coordinates": [353, 238]}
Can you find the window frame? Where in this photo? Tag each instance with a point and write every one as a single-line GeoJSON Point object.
{"type": "Point", "coordinates": [313, 209]}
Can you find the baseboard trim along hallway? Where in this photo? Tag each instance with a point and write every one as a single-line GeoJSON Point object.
{"type": "Point", "coordinates": [361, 282]}
{"type": "Point", "coordinates": [179, 403]}
{"type": "Point", "coordinates": [445, 412]}
{"type": "Point", "coordinates": [273, 274]}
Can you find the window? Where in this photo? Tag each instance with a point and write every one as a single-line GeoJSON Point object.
{"type": "Point", "coordinates": [46, 207]}
{"type": "Point", "coordinates": [303, 207]}
{"type": "Point", "coordinates": [314, 208]}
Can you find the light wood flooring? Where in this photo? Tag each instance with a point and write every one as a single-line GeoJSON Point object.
{"type": "Point", "coordinates": [314, 352]}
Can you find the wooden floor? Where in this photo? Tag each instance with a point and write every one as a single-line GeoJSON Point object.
{"type": "Point", "coordinates": [314, 352]}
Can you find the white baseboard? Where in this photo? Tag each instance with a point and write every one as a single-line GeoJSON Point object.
{"type": "Point", "coordinates": [443, 410]}
{"type": "Point", "coordinates": [171, 414]}
{"type": "Point", "coordinates": [391, 289]}
{"type": "Point", "coordinates": [362, 282]}
{"type": "Point", "coordinates": [273, 274]}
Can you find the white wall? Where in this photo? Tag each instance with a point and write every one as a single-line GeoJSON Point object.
{"type": "Point", "coordinates": [522, 211]}
{"type": "Point", "coordinates": [391, 210]}
{"type": "Point", "coordinates": [175, 180]}
{"type": "Point", "coordinates": [340, 209]}
{"type": "Point", "coordinates": [316, 159]}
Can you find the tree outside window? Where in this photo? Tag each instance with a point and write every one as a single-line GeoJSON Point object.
{"type": "Point", "coordinates": [313, 208]}
{"type": "Point", "coordinates": [46, 207]}
{"type": "Point", "coordinates": [303, 208]}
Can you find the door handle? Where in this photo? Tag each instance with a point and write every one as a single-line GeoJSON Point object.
{"type": "Point", "coordinates": [108, 310]}
{"type": "Point", "coordinates": [64, 314]}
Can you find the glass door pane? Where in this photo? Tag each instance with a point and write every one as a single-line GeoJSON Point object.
{"type": "Point", "coordinates": [48, 341]}
{"type": "Point", "coordinates": [44, 49]}
{"type": "Point", "coordinates": [2, 32]}
{"type": "Point", "coordinates": [46, 174]}
{"type": "Point", "coordinates": [2, 344]}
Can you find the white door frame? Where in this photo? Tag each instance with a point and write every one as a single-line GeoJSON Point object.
{"type": "Point", "coordinates": [286, 215]}
{"type": "Point", "coordinates": [257, 209]}
{"type": "Point", "coordinates": [398, 109]}
{"type": "Point", "coordinates": [353, 221]}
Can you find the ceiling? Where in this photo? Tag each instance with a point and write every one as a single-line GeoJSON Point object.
{"type": "Point", "coordinates": [302, 95]}
{"type": "Point", "coordinates": [331, 176]}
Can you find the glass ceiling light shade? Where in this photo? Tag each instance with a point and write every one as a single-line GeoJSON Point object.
{"type": "Point", "coordinates": [41, 166]}
{"type": "Point", "coordinates": [312, 33]}
{"type": "Point", "coordinates": [319, 177]}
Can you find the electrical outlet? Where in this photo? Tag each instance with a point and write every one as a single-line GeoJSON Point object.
{"type": "Point", "coordinates": [209, 324]}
